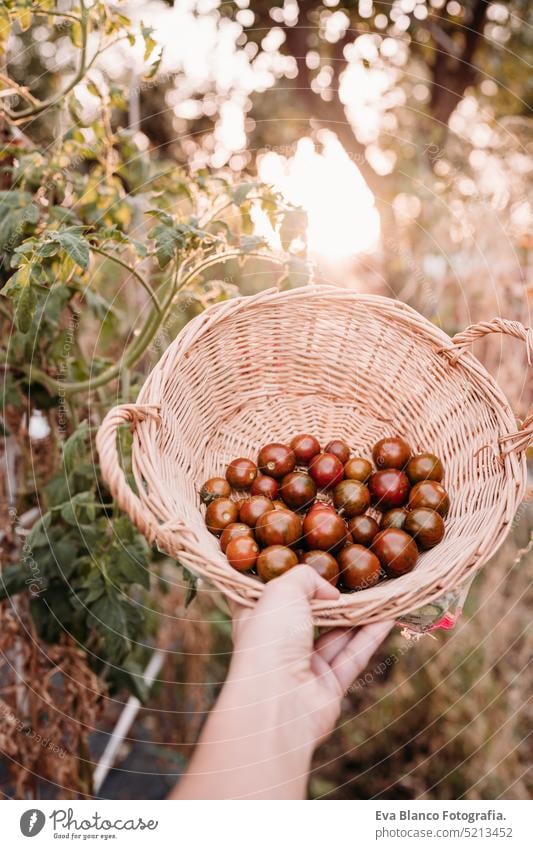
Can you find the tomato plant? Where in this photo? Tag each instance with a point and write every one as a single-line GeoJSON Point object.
{"type": "Point", "coordinates": [107, 249]}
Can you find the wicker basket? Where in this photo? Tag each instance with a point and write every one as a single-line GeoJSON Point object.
{"type": "Point", "coordinates": [337, 364]}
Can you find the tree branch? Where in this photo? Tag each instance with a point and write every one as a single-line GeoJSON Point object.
{"type": "Point", "coordinates": [453, 70]}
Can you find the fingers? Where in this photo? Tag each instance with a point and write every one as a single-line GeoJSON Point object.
{"type": "Point", "coordinates": [353, 659]}
{"type": "Point", "coordinates": [331, 643]}
{"type": "Point", "coordinates": [303, 581]}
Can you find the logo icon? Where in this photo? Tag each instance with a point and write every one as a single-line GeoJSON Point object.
{"type": "Point", "coordinates": [32, 822]}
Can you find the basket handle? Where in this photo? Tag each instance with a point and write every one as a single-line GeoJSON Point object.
{"type": "Point", "coordinates": [523, 438]}
{"type": "Point", "coordinates": [106, 445]}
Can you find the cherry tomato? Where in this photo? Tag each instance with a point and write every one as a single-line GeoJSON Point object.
{"type": "Point", "coordinates": [425, 526]}
{"type": "Point", "coordinates": [352, 497]}
{"type": "Point", "coordinates": [358, 469]}
{"type": "Point", "coordinates": [219, 514]}
{"type": "Point", "coordinates": [278, 527]}
{"type": "Point", "coordinates": [214, 488]}
{"type": "Point", "coordinates": [363, 529]}
{"type": "Point", "coordinates": [298, 490]}
{"type": "Point", "coordinates": [242, 553]}
{"type": "Point", "coordinates": [424, 467]}
{"type": "Point", "coordinates": [339, 449]}
{"type": "Point", "coordinates": [241, 473]}
{"type": "Point", "coordinates": [325, 530]}
{"type": "Point", "coordinates": [396, 551]}
{"type": "Point", "coordinates": [305, 447]}
{"type": "Point", "coordinates": [393, 452]}
{"type": "Point", "coordinates": [265, 485]}
{"type": "Point", "coordinates": [236, 529]}
{"type": "Point", "coordinates": [276, 460]}
{"type": "Point", "coordinates": [388, 488]}
{"type": "Point", "coordinates": [429, 494]}
{"type": "Point", "coordinates": [323, 563]}
{"type": "Point", "coordinates": [326, 470]}
{"type": "Point", "coordinates": [252, 508]}
{"type": "Point", "coordinates": [394, 518]}
{"type": "Point", "coordinates": [274, 561]}
{"type": "Point", "coordinates": [321, 505]}
{"type": "Point", "coordinates": [359, 567]}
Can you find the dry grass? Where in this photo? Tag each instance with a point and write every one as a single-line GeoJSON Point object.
{"type": "Point", "coordinates": [451, 718]}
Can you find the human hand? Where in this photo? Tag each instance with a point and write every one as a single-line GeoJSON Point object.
{"type": "Point", "coordinates": [287, 676]}
{"type": "Point", "coordinates": [282, 696]}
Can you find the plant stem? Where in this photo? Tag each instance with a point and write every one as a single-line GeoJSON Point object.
{"type": "Point", "coordinates": [147, 334]}
{"type": "Point", "coordinates": [37, 108]}
{"type": "Point", "coordinates": [144, 283]}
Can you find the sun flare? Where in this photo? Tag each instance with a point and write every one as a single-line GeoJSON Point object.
{"type": "Point", "coordinates": [342, 218]}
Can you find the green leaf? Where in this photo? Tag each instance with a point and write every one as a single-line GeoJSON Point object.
{"type": "Point", "coordinates": [75, 446]}
{"type": "Point", "coordinates": [191, 582]}
{"type": "Point", "coordinates": [168, 240]}
{"type": "Point", "coordinates": [134, 675]}
{"type": "Point", "coordinates": [130, 563]}
{"type": "Point", "coordinates": [149, 41]}
{"type": "Point", "coordinates": [18, 216]}
{"type": "Point", "coordinates": [241, 192]}
{"type": "Point", "coordinates": [80, 510]}
{"type": "Point", "coordinates": [74, 245]}
{"type": "Point", "coordinates": [12, 581]}
{"type": "Point", "coordinates": [19, 288]}
{"type": "Point", "coordinates": [154, 67]}
{"type": "Point", "coordinates": [39, 537]}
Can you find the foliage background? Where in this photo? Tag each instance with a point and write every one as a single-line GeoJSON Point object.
{"type": "Point", "coordinates": [134, 140]}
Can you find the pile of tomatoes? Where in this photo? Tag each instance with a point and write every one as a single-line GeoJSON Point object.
{"type": "Point", "coordinates": [353, 521]}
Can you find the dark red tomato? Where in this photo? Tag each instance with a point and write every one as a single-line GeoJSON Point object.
{"type": "Point", "coordinates": [219, 514]}
{"type": "Point", "coordinates": [305, 447]}
{"type": "Point", "coordinates": [424, 467]}
{"type": "Point", "coordinates": [236, 529]}
{"type": "Point", "coordinates": [298, 490]}
{"type": "Point", "coordinates": [430, 494]}
{"type": "Point", "coordinates": [242, 553]}
{"type": "Point", "coordinates": [265, 485]}
{"type": "Point", "coordinates": [241, 473]}
{"type": "Point", "coordinates": [326, 470]}
{"type": "Point", "coordinates": [393, 452]}
{"type": "Point", "coordinates": [321, 505]}
{"type": "Point", "coordinates": [363, 529]}
{"type": "Point", "coordinates": [324, 529]}
{"type": "Point", "coordinates": [274, 561]}
{"type": "Point", "coordinates": [358, 469]}
{"type": "Point", "coordinates": [425, 526]}
{"type": "Point", "coordinates": [252, 508]}
{"type": "Point", "coordinates": [359, 567]}
{"type": "Point", "coordinates": [396, 551]}
{"type": "Point", "coordinates": [276, 460]}
{"type": "Point", "coordinates": [352, 497]}
{"type": "Point", "coordinates": [388, 488]}
{"type": "Point", "coordinates": [394, 518]}
{"type": "Point", "coordinates": [323, 563]}
{"type": "Point", "coordinates": [339, 449]}
{"type": "Point", "coordinates": [278, 527]}
{"type": "Point", "coordinates": [214, 488]}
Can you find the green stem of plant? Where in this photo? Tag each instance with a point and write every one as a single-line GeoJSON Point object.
{"type": "Point", "coordinates": [144, 283]}
{"type": "Point", "coordinates": [154, 322]}
{"type": "Point", "coordinates": [36, 109]}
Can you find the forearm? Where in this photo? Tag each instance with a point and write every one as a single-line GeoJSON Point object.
{"type": "Point", "coordinates": [247, 750]}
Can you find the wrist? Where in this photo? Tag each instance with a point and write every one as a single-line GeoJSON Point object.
{"type": "Point", "coordinates": [265, 707]}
